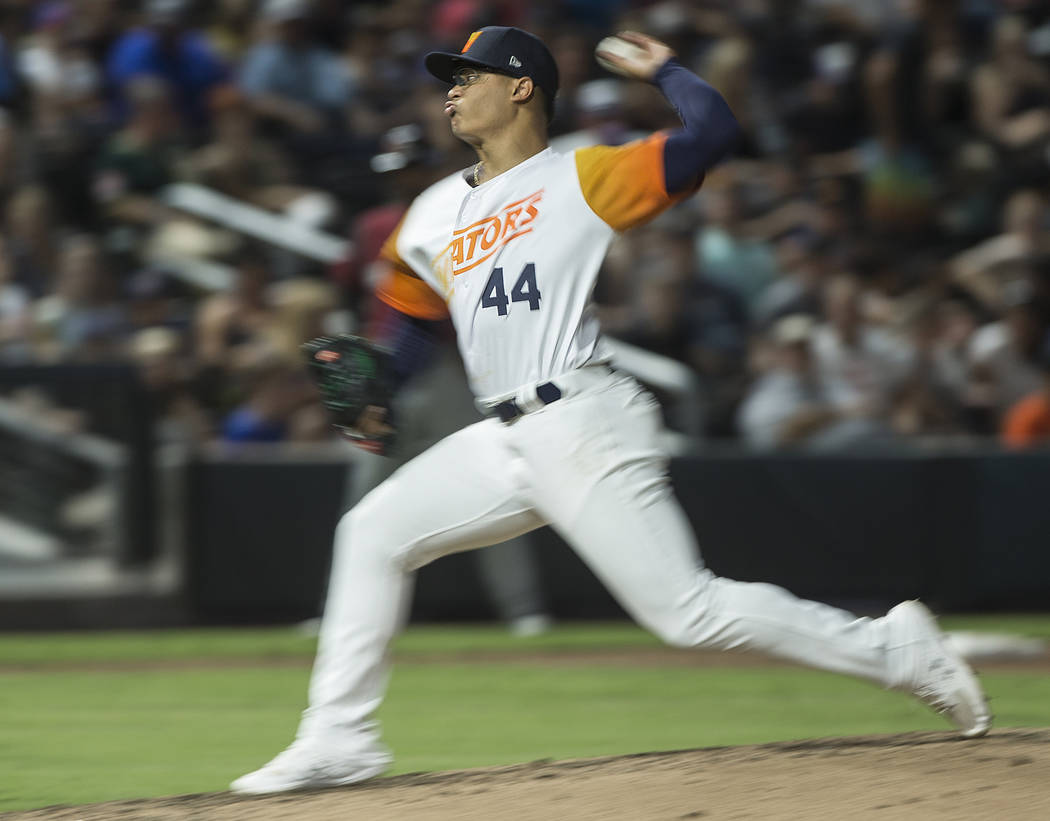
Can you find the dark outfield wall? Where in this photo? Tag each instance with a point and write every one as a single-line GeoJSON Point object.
{"type": "Point", "coordinates": [961, 531]}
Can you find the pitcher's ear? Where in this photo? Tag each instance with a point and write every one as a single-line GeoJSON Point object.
{"type": "Point", "coordinates": [524, 89]}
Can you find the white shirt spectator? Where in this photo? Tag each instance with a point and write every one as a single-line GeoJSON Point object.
{"type": "Point", "coordinates": [864, 374]}
{"type": "Point", "coordinates": [1012, 377]}
{"type": "Point", "coordinates": [772, 400]}
{"type": "Point", "coordinates": [778, 397]}
{"type": "Point", "coordinates": [14, 323]}
{"type": "Point", "coordinates": [791, 404]}
{"type": "Point", "coordinates": [70, 76]}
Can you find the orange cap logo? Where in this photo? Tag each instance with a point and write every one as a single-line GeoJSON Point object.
{"type": "Point", "coordinates": [470, 42]}
{"type": "Point", "coordinates": [327, 355]}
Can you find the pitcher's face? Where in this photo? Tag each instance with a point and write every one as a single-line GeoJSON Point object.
{"type": "Point", "coordinates": [478, 103]}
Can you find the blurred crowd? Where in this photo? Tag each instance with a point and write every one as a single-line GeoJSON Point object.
{"type": "Point", "coordinates": [872, 265]}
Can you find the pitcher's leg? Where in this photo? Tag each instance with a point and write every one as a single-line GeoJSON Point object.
{"type": "Point", "coordinates": [610, 498]}
{"type": "Point", "coordinates": [647, 560]}
{"type": "Point", "coordinates": [435, 404]}
{"type": "Point", "coordinates": [367, 597]}
{"type": "Point", "coordinates": [601, 480]}
{"type": "Point", "coordinates": [458, 495]}
{"type": "Point", "coordinates": [646, 556]}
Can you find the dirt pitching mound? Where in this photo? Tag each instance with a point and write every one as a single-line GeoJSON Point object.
{"type": "Point", "coordinates": [912, 776]}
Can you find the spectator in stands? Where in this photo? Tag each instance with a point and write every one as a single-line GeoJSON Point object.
{"type": "Point", "coordinates": [710, 321]}
{"type": "Point", "coordinates": [987, 266]}
{"type": "Point", "coordinates": [9, 155]}
{"type": "Point", "coordinates": [229, 327]}
{"type": "Point", "coordinates": [1011, 91]}
{"type": "Point", "coordinates": [303, 308]}
{"type": "Point", "coordinates": [405, 165]}
{"type": "Point", "coordinates": [290, 81]}
{"type": "Point", "coordinates": [230, 28]}
{"type": "Point", "coordinates": [823, 110]}
{"type": "Point", "coordinates": [167, 375]}
{"type": "Point", "coordinates": [380, 58]}
{"type": "Point", "coordinates": [156, 298]}
{"type": "Point", "coordinates": [57, 72]}
{"type": "Point", "coordinates": [969, 210]}
{"type": "Point", "coordinates": [303, 95]}
{"type": "Point", "coordinates": [166, 50]}
{"type": "Point", "coordinates": [278, 392]}
{"type": "Point", "coordinates": [138, 161]}
{"type": "Point", "coordinates": [727, 254]}
{"type": "Point", "coordinates": [784, 36]}
{"type": "Point", "coordinates": [861, 365]}
{"type": "Point", "coordinates": [67, 110]}
{"type": "Point", "coordinates": [728, 65]}
{"type": "Point", "coordinates": [241, 163]}
{"type": "Point", "coordinates": [600, 117]}
{"type": "Point", "coordinates": [1027, 423]}
{"type": "Point", "coordinates": [790, 405]}
{"type": "Point", "coordinates": [8, 73]}
{"type": "Point", "coordinates": [33, 237]}
{"type": "Point", "coordinates": [15, 314]}
{"type": "Point", "coordinates": [1004, 355]}
{"type": "Point", "coordinates": [804, 267]}
{"type": "Point", "coordinates": [366, 59]}
{"type": "Point", "coordinates": [929, 400]}
{"type": "Point", "coordinates": [669, 307]}
{"type": "Point", "coordinates": [82, 321]}
{"type": "Point", "coordinates": [98, 25]}
{"type": "Point", "coordinates": [657, 317]}
{"type": "Point", "coordinates": [935, 47]}
{"type": "Point", "coordinates": [571, 49]}
{"type": "Point", "coordinates": [898, 176]}
{"type": "Point", "coordinates": [955, 322]}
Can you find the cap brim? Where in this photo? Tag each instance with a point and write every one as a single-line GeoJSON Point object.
{"type": "Point", "coordinates": [442, 63]}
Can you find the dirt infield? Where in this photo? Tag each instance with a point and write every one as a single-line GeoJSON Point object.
{"type": "Point", "coordinates": [912, 776]}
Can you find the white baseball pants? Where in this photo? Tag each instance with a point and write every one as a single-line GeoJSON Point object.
{"type": "Point", "coordinates": [433, 405]}
{"type": "Point", "coordinates": [588, 465]}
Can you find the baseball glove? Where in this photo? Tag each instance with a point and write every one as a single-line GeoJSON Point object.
{"type": "Point", "coordinates": [354, 376]}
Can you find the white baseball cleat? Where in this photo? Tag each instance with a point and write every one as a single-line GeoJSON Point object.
{"type": "Point", "coordinates": [935, 674]}
{"type": "Point", "coordinates": [308, 765]}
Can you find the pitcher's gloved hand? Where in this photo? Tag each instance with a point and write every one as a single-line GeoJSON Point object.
{"type": "Point", "coordinates": [355, 379]}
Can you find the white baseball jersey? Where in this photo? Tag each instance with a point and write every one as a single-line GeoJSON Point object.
{"type": "Point", "coordinates": [514, 261]}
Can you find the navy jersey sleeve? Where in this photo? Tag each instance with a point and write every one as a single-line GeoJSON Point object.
{"type": "Point", "coordinates": [708, 131]}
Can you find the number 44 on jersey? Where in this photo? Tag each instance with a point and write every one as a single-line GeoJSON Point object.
{"type": "Point", "coordinates": [524, 290]}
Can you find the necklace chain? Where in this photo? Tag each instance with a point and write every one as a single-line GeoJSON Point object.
{"type": "Point", "coordinates": [477, 172]}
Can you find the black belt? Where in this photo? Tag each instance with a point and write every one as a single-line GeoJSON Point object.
{"type": "Point", "coordinates": [508, 410]}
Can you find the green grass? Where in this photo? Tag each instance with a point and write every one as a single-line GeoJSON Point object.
{"type": "Point", "coordinates": [63, 649]}
{"type": "Point", "coordinates": [289, 643]}
{"type": "Point", "coordinates": [76, 735]}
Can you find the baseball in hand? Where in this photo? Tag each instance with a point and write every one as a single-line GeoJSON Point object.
{"type": "Point", "coordinates": [618, 47]}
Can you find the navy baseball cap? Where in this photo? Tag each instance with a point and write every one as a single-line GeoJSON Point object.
{"type": "Point", "coordinates": [505, 50]}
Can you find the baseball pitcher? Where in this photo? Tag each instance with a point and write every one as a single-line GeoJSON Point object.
{"type": "Point", "coordinates": [510, 249]}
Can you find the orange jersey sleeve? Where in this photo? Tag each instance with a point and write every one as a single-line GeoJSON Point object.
{"type": "Point", "coordinates": [402, 289]}
{"type": "Point", "coordinates": [1027, 423]}
{"type": "Point", "coordinates": [624, 185]}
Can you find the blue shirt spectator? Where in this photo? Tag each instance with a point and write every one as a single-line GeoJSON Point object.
{"type": "Point", "coordinates": [311, 75]}
{"type": "Point", "coordinates": [183, 59]}
{"type": "Point", "coordinates": [246, 424]}
{"type": "Point", "coordinates": [8, 84]}
{"type": "Point", "coordinates": [290, 79]}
